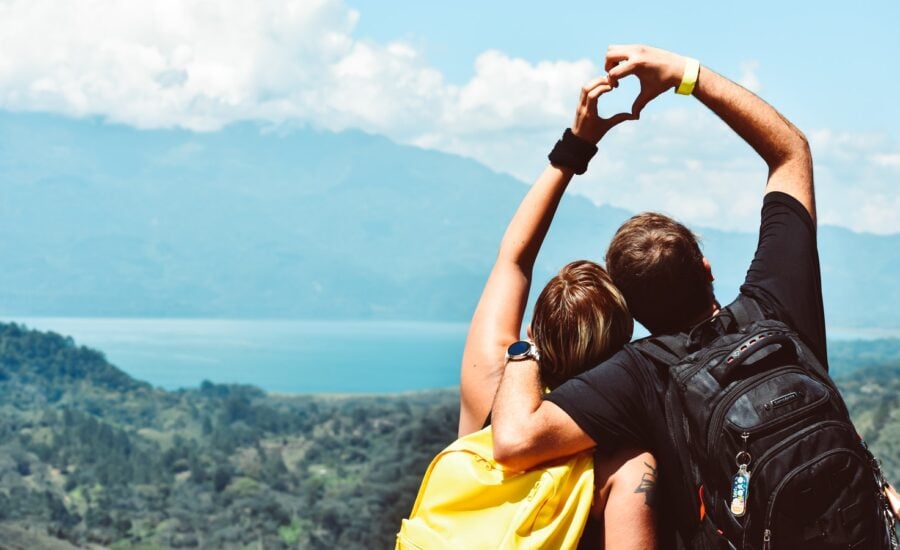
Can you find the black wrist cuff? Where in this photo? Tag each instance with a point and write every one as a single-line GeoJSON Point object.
{"type": "Point", "coordinates": [572, 152]}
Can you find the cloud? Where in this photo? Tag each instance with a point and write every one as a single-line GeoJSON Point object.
{"type": "Point", "coordinates": [748, 78]}
{"type": "Point", "coordinates": [203, 64]}
{"type": "Point", "coordinates": [169, 63]}
{"type": "Point", "coordinates": [888, 160]}
{"type": "Point", "coordinates": [681, 160]}
{"type": "Point", "coordinates": [686, 162]}
{"type": "Point", "coordinates": [855, 175]}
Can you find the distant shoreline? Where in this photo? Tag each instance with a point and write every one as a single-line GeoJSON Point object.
{"type": "Point", "coordinates": [357, 395]}
{"type": "Point", "coordinates": [289, 358]}
{"type": "Point", "coordinates": [33, 321]}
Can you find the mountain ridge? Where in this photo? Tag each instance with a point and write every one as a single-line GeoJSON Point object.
{"type": "Point", "coordinates": [105, 220]}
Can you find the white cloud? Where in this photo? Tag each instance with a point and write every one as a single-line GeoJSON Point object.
{"type": "Point", "coordinates": [512, 93]}
{"type": "Point", "coordinates": [168, 62]}
{"type": "Point", "coordinates": [888, 160]}
{"type": "Point", "coordinates": [681, 160]}
{"type": "Point", "coordinates": [748, 78]}
{"type": "Point", "coordinates": [684, 161]}
{"type": "Point", "coordinates": [202, 64]}
{"type": "Point", "coordinates": [855, 175]}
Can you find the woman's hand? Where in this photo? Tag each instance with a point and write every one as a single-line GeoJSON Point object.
{"type": "Point", "coordinates": [498, 318]}
{"type": "Point", "coordinates": [588, 124]}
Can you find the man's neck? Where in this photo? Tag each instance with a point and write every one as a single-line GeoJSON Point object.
{"type": "Point", "coordinates": [714, 309]}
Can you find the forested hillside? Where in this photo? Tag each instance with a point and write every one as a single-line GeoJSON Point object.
{"type": "Point", "coordinates": [90, 456]}
{"type": "Point", "coordinates": [93, 456]}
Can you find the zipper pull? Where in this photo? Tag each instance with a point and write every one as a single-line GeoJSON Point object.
{"type": "Point", "coordinates": [740, 483]}
{"type": "Point", "coordinates": [767, 539]}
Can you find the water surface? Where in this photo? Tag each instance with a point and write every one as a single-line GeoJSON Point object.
{"type": "Point", "coordinates": [292, 356]}
{"type": "Point", "coordinates": [279, 356]}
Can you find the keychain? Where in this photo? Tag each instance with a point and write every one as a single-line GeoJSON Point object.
{"type": "Point", "coordinates": [740, 484]}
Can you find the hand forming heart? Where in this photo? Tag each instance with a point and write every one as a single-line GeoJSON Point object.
{"type": "Point", "coordinates": [657, 70]}
{"type": "Point", "coordinates": [588, 124]}
{"type": "Point", "coordinates": [621, 98]}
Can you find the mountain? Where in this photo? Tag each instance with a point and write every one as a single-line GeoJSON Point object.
{"type": "Point", "coordinates": [250, 221]}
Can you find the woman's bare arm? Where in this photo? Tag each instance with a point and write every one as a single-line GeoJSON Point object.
{"type": "Point", "coordinates": [498, 318]}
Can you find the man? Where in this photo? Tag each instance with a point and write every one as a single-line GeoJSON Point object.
{"type": "Point", "coordinates": [667, 283]}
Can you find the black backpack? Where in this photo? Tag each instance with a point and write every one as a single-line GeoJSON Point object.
{"type": "Point", "coordinates": [765, 441]}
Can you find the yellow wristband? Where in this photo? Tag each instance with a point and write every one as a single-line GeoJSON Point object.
{"type": "Point", "coordinates": [689, 78]}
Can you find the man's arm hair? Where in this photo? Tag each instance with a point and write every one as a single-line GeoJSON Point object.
{"type": "Point", "coordinates": [781, 145]}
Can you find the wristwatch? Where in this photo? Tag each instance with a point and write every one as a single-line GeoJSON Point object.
{"type": "Point", "coordinates": [522, 350]}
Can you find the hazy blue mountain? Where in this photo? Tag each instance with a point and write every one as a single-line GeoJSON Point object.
{"type": "Point", "coordinates": [105, 220]}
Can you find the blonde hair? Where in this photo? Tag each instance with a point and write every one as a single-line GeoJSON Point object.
{"type": "Point", "coordinates": [580, 319]}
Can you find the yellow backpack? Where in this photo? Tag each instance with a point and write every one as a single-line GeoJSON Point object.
{"type": "Point", "coordinates": [467, 501]}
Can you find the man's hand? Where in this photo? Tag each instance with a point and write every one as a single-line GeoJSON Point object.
{"type": "Point", "coordinates": [658, 70]}
{"type": "Point", "coordinates": [778, 142]}
{"type": "Point", "coordinates": [588, 124]}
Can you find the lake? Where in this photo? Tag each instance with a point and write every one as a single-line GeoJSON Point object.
{"type": "Point", "coordinates": [278, 356]}
{"type": "Point", "coordinates": [291, 356]}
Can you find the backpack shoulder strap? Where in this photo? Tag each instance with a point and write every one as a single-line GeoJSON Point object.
{"type": "Point", "coordinates": [664, 352]}
{"type": "Point", "coordinates": [668, 349]}
{"type": "Point", "coordinates": [744, 310]}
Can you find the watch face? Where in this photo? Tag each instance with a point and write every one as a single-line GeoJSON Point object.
{"type": "Point", "coordinates": [518, 348]}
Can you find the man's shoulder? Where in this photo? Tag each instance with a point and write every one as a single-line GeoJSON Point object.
{"type": "Point", "coordinates": [779, 199]}
{"type": "Point", "coordinates": [659, 349]}
{"type": "Point", "coordinates": [758, 303]}
{"type": "Point", "coordinates": [628, 356]}
{"type": "Point", "coordinates": [625, 362]}
{"type": "Point", "coordinates": [627, 371]}
{"type": "Point", "coordinates": [635, 359]}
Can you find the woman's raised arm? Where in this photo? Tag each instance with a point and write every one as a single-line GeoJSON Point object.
{"type": "Point", "coordinates": [498, 318]}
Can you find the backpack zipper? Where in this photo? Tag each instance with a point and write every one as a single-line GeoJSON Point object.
{"type": "Point", "coordinates": [763, 460]}
{"type": "Point", "coordinates": [776, 423]}
{"type": "Point", "coordinates": [770, 506]}
{"type": "Point", "coordinates": [734, 394]}
{"type": "Point", "coordinates": [799, 435]}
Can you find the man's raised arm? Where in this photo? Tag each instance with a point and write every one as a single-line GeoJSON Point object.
{"type": "Point", "coordinates": [780, 144]}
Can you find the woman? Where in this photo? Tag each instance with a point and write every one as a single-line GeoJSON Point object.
{"type": "Point", "coordinates": [579, 320]}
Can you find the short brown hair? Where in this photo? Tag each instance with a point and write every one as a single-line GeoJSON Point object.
{"type": "Point", "coordinates": [580, 319]}
{"type": "Point", "coordinates": [657, 264]}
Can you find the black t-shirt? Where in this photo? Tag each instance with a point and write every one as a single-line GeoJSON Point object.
{"type": "Point", "coordinates": [620, 401]}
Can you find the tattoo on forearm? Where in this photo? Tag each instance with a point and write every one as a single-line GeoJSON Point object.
{"type": "Point", "coordinates": [648, 486]}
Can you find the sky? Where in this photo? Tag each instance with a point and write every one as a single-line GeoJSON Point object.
{"type": "Point", "coordinates": [493, 81]}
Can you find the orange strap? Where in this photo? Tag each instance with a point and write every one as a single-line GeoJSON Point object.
{"type": "Point", "coordinates": [702, 504]}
